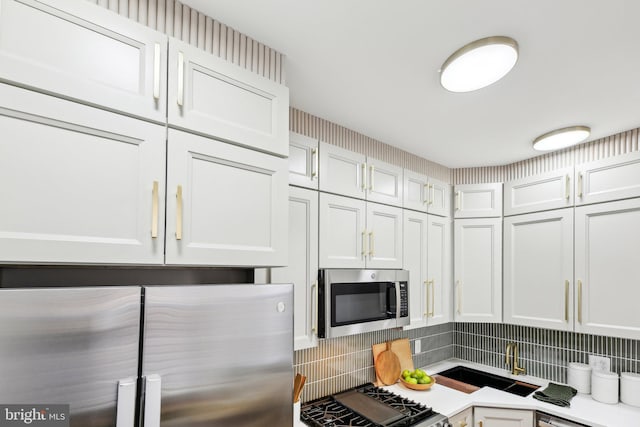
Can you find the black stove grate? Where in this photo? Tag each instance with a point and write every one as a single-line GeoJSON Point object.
{"type": "Point", "coordinates": [326, 412]}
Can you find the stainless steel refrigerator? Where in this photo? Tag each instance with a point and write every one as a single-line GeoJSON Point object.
{"type": "Point", "coordinates": [168, 356]}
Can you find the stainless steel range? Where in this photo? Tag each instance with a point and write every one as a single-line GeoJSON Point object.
{"type": "Point", "coordinates": [369, 406]}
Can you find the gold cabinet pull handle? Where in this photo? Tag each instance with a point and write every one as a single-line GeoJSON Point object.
{"type": "Point", "coordinates": [180, 79]}
{"type": "Point", "coordinates": [433, 297]}
{"type": "Point", "coordinates": [426, 284]}
{"type": "Point", "coordinates": [566, 300]}
{"type": "Point", "coordinates": [567, 188]}
{"type": "Point", "coordinates": [457, 201]}
{"type": "Point", "coordinates": [156, 71]}
{"type": "Point", "coordinates": [154, 210]}
{"type": "Point", "coordinates": [363, 177]}
{"type": "Point", "coordinates": [371, 172]}
{"type": "Point", "coordinates": [314, 163]}
{"type": "Point", "coordinates": [425, 194]}
{"type": "Point", "coordinates": [179, 213]}
{"type": "Point", "coordinates": [371, 250]}
{"type": "Point", "coordinates": [364, 244]}
{"type": "Point", "coordinates": [314, 307]}
{"type": "Point", "coordinates": [431, 194]}
{"type": "Point", "coordinates": [580, 301]}
{"type": "Point", "coordinates": [580, 184]}
{"type": "Point", "coordinates": [479, 423]}
{"type": "Point", "coordinates": [458, 302]}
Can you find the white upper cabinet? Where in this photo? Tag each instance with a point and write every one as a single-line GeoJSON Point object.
{"type": "Point", "coordinates": [384, 183]}
{"type": "Point", "coordinates": [79, 184]}
{"type": "Point", "coordinates": [342, 171]}
{"type": "Point", "coordinates": [212, 96]}
{"type": "Point", "coordinates": [478, 270]}
{"type": "Point", "coordinates": [425, 194]}
{"type": "Point", "coordinates": [439, 268]}
{"type": "Point", "coordinates": [358, 234]}
{"type": "Point", "coordinates": [302, 266]}
{"type": "Point", "coordinates": [609, 179]}
{"type": "Point", "coordinates": [343, 232]}
{"type": "Point", "coordinates": [538, 269]}
{"type": "Point", "coordinates": [384, 236]}
{"type": "Point", "coordinates": [83, 52]}
{"type": "Point", "coordinates": [607, 268]}
{"type": "Point", "coordinates": [226, 205]}
{"type": "Point", "coordinates": [478, 200]}
{"type": "Point", "coordinates": [551, 190]}
{"type": "Point", "coordinates": [303, 161]}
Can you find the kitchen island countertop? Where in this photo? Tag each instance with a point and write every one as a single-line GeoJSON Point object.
{"type": "Point", "coordinates": [449, 401]}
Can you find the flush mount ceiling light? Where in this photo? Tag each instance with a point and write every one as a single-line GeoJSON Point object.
{"type": "Point", "coordinates": [479, 64]}
{"type": "Point", "coordinates": [561, 138]}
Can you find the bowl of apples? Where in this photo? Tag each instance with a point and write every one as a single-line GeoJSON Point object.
{"type": "Point", "coordinates": [417, 379]}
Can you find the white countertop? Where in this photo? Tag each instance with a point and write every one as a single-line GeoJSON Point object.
{"type": "Point", "coordinates": [449, 402]}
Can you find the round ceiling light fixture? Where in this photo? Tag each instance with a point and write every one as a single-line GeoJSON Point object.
{"type": "Point", "coordinates": [479, 64]}
{"type": "Point", "coordinates": [561, 138]}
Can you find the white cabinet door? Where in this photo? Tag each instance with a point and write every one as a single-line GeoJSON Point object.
{"type": "Point", "coordinates": [343, 232]}
{"type": "Point", "coordinates": [415, 246]}
{"type": "Point", "coordinates": [462, 419]}
{"type": "Point", "coordinates": [80, 51]}
{"type": "Point", "coordinates": [226, 205]}
{"type": "Point", "coordinates": [439, 199]}
{"type": "Point", "coordinates": [302, 266]}
{"type": "Point", "coordinates": [439, 267]}
{"type": "Point", "coordinates": [551, 190]}
{"type": "Point", "coordinates": [342, 171]}
{"type": "Point", "coordinates": [303, 161]}
{"type": "Point", "coordinates": [478, 270]}
{"type": "Point", "coordinates": [607, 268]}
{"type": "Point", "coordinates": [416, 191]}
{"type": "Point", "coordinates": [79, 184]}
{"type": "Point", "coordinates": [212, 96]}
{"type": "Point", "coordinates": [538, 269]}
{"type": "Point", "coordinates": [609, 179]}
{"type": "Point", "coordinates": [384, 236]}
{"type": "Point", "coordinates": [478, 200]}
{"type": "Point", "coordinates": [499, 417]}
{"type": "Point", "coordinates": [384, 183]}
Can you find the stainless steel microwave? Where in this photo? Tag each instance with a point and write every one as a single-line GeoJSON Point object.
{"type": "Point", "coordinates": [356, 301]}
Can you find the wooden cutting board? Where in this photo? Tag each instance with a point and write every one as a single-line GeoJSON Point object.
{"type": "Point", "coordinates": [387, 366]}
{"type": "Point", "coordinates": [401, 348]}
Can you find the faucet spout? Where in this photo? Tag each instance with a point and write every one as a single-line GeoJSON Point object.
{"type": "Point", "coordinates": [511, 358]}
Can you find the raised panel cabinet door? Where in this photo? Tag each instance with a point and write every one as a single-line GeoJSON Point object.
{"type": "Point", "coordinates": [302, 266]}
{"type": "Point", "coordinates": [551, 190]}
{"type": "Point", "coordinates": [226, 205]}
{"type": "Point", "coordinates": [83, 52]}
{"type": "Point", "coordinates": [212, 96]}
{"type": "Point", "coordinates": [342, 171]}
{"type": "Point", "coordinates": [478, 270]}
{"type": "Point", "coordinates": [79, 185]}
{"type": "Point", "coordinates": [440, 269]}
{"type": "Point", "coordinates": [498, 417]}
{"type": "Point", "coordinates": [414, 255]}
{"type": "Point", "coordinates": [439, 198]}
{"type": "Point", "coordinates": [608, 179]}
{"type": "Point", "coordinates": [304, 160]}
{"type": "Point", "coordinates": [384, 236]}
{"type": "Point", "coordinates": [478, 200]}
{"type": "Point", "coordinates": [384, 182]}
{"type": "Point", "coordinates": [343, 233]}
{"type": "Point", "coordinates": [462, 419]}
{"type": "Point", "coordinates": [538, 269]}
{"type": "Point", "coordinates": [416, 191]}
{"type": "Point", "coordinates": [607, 268]}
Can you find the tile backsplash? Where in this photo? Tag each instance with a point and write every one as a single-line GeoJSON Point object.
{"type": "Point", "coordinates": [544, 353]}
{"type": "Point", "coordinates": [340, 363]}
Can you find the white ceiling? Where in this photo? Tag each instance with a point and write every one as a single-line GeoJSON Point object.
{"type": "Point", "coordinates": [372, 66]}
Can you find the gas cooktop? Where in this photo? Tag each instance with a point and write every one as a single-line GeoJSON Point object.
{"type": "Point", "coordinates": [369, 406]}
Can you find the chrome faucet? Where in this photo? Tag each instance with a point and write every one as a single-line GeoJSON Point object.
{"type": "Point", "coordinates": [515, 369]}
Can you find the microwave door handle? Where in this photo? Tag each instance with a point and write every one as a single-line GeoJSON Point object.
{"type": "Point", "coordinates": [398, 301]}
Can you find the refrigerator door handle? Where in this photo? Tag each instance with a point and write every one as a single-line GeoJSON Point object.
{"type": "Point", "coordinates": [126, 405]}
{"type": "Point", "coordinates": [152, 388]}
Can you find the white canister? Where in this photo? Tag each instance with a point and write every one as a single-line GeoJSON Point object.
{"type": "Point", "coordinates": [579, 377]}
{"type": "Point", "coordinates": [630, 388]}
{"type": "Point", "coordinates": [604, 386]}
